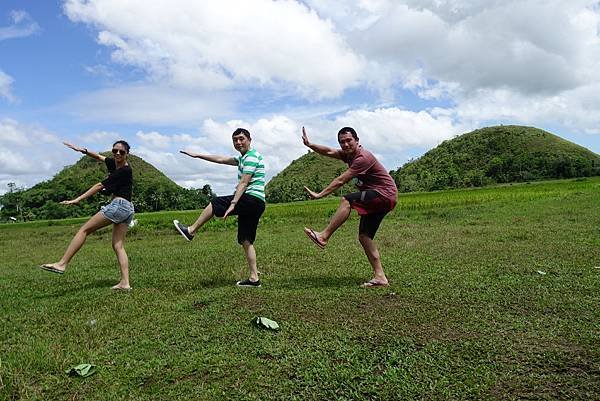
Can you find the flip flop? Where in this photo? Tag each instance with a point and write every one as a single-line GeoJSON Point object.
{"type": "Point", "coordinates": [120, 289]}
{"type": "Point", "coordinates": [313, 237]}
{"type": "Point", "coordinates": [52, 269]}
{"type": "Point", "coordinates": [374, 284]}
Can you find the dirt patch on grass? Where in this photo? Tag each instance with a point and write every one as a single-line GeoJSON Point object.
{"type": "Point", "coordinates": [199, 304]}
{"type": "Point", "coordinates": [550, 371]}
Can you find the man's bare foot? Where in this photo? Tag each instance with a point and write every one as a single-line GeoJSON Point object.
{"type": "Point", "coordinates": [54, 267]}
{"type": "Point", "coordinates": [120, 287]}
{"type": "Point", "coordinates": [373, 283]}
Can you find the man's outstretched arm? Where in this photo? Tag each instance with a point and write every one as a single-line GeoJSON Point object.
{"type": "Point", "coordinates": [321, 149]}
{"type": "Point", "coordinates": [212, 158]}
{"type": "Point", "coordinates": [335, 184]}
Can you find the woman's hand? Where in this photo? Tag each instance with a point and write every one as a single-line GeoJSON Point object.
{"type": "Point", "coordinates": [70, 202]}
{"type": "Point", "coordinates": [75, 148]}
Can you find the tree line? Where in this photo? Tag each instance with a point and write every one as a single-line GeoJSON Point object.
{"type": "Point", "coordinates": [152, 191]}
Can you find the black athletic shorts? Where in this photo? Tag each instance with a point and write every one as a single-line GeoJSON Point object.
{"type": "Point", "coordinates": [369, 222]}
{"type": "Point", "coordinates": [248, 209]}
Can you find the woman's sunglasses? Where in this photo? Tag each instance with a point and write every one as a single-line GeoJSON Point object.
{"type": "Point", "coordinates": [119, 151]}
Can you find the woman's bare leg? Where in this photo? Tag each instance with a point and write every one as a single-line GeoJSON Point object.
{"type": "Point", "coordinates": [96, 222]}
{"type": "Point", "coordinates": [118, 242]}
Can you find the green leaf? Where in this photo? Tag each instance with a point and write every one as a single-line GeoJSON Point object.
{"type": "Point", "coordinates": [266, 323]}
{"type": "Point", "coordinates": [83, 370]}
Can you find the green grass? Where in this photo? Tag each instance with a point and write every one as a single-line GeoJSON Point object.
{"type": "Point", "coordinates": [467, 315]}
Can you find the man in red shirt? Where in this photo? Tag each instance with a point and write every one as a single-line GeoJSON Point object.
{"type": "Point", "coordinates": [376, 197]}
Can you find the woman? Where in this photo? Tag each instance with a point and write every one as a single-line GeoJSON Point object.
{"type": "Point", "coordinates": [118, 212]}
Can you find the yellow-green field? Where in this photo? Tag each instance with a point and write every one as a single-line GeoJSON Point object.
{"type": "Point", "coordinates": [495, 294]}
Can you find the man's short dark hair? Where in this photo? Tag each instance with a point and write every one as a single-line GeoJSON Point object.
{"type": "Point", "coordinates": [242, 131]}
{"type": "Point", "coordinates": [348, 130]}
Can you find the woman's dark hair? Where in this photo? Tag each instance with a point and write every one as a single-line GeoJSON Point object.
{"type": "Point", "coordinates": [122, 142]}
{"type": "Point", "coordinates": [243, 131]}
{"type": "Point", "coordinates": [348, 130]}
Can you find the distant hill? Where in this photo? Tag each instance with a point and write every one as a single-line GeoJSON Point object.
{"type": "Point", "coordinates": [312, 170]}
{"type": "Point", "coordinates": [498, 154]}
{"type": "Point", "coordinates": [152, 191]}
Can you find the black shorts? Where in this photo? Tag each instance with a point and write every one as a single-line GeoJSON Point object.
{"type": "Point", "coordinates": [369, 222]}
{"type": "Point", "coordinates": [248, 209]}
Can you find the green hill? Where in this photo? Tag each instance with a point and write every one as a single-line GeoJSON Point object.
{"type": "Point", "coordinates": [500, 154]}
{"type": "Point", "coordinates": [152, 191]}
{"type": "Point", "coordinates": [312, 170]}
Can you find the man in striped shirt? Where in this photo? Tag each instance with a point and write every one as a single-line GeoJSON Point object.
{"type": "Point", "coordinates": [247, 202]}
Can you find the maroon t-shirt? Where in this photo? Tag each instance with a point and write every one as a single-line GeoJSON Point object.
{"type": "Point", "coordinates": [370, 174]}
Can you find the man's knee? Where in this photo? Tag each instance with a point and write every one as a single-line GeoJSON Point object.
{"type": "Point", "coordinates": [364, 239]}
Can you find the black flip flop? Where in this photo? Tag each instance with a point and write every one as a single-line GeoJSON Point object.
{"type": "Point", "coordinates": [52, 269]}
{"type": "Point", "coordinates": [313, 237]}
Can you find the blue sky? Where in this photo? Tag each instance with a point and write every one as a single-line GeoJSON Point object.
{"type": "Point", "coordinates": [182, 74]}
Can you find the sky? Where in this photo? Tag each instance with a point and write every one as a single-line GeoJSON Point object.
{"type": "Point", "coordinates": [167, 75]}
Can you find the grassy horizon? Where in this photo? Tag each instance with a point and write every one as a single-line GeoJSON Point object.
{"type": "Point", "coordinates": [494, 295]}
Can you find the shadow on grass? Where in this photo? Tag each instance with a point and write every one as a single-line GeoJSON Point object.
{"type": "Point", "coordinates": [320, 282]}
{"type": "Point", "coordinates": [212, 282]}
{"type": "Point", "coordinates": [104, 283]}
{"type": "Point", "coordinates": [300, 282]}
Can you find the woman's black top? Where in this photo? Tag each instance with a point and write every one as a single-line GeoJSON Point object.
{"type": "Point", "coordinates": [119, 181]}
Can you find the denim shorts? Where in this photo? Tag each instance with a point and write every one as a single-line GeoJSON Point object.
{"type": "Point", "coordinates": [119, 210]}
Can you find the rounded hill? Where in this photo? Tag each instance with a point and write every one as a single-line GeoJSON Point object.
{"type": "Point", "coordinates": [500, 154]}
{"type": "Point", "coordinates": [312, 170]}
{"type": "Point", "coordinates": [152, 191]}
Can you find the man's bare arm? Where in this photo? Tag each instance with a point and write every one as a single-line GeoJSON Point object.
{"type": "Point", "coordinates": [321, 149]}
{"type": "Point", "coordinates": [212, 158]}
{"type": "Point", "coordinates": [335, 184]}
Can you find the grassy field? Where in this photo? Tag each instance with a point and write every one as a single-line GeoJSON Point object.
{"type": "Point", "coordinates": [495, 294]}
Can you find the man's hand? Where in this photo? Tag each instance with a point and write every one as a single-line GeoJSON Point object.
{"type": "Point", "coordinates": [305, 137]}
{"type": "Point", "coordinates": [229, 210]}
{"type": "Point", "coordinates": [185, 152]}
{"type": "Point", "coordinates": [70, 202]}
{"type": "Point", "coordinates": [311, 194]}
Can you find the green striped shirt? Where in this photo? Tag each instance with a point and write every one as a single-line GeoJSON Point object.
{"type": "Point", "coordinates": [252, 164]}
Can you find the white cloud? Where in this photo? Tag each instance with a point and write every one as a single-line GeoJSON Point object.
{"type": "Point", "coordinates": [391, 133]}
{"type": "Point", "coordinates": [494, 60]}
{"type": "Point", "coordinates": [154, 139]}
{"type": "Point", "coordinates": [5, 86]}
{"type": "Point", "coordinates": [388, 132]}
{"type": "Point", "coordinates": [29, 154]}
{"type": "Point", "coordinates": [221, 44]}
{"type": "Point", "coordinates": [147, 104]}
{"type": "Point", "coordinates": [277, 138]}
{"type": "Point", "coordinates": [393, 128]}
{"type": "Point", "coordinates": [22, 25]}
{"type": "Point", "coordinates": [577, 109]}
{"type": "Point", "coordinates": [102, 138]}
{"type": "Point", "coordinates": [487, 44]}
{"type": "Point", "coordinates": [204, 60]}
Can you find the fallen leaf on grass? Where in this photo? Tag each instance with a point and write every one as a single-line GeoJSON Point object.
{"type": "Point", "coordinates": [266, 323]}
{"type": "Point", "coordinates": [82, 370]}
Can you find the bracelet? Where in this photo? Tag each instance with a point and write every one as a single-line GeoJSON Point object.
{"type": "Point", "coordinates": [233, 202]}
{"type": "Point", "coordinates": [85, 152]}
